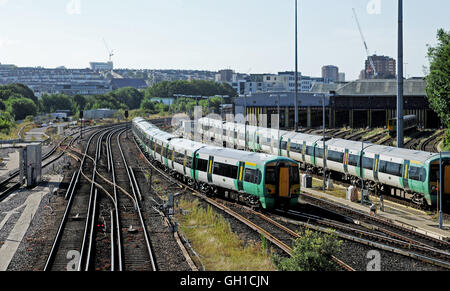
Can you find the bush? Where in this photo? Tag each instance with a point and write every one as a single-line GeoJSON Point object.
{"type": "Point", "coordinates": [312, 252]}
{"type": "Point", "coordinates": [6, 122]}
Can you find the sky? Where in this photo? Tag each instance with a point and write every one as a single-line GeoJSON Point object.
{"type": "Point", "coordinates": [248, 36]}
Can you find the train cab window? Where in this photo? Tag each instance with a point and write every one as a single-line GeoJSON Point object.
{"type": "Point", "coordinates": [202, 165]}
{"type": "Point", "coordinates": [295, 176]}
{"type": "Point", "coordinates": [368, 163]}
{"type": "Point", "coordinates": [271, 176]}
{"type": "Point", "coordinates": [417, 174]}
{"type": "Point", "coordinates": [252, 176]}
{"type": "Point", "coordinates": [434, 173]}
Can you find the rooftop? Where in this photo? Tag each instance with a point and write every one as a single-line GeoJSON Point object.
{"type": "Point", "coordinates": [412, 87]}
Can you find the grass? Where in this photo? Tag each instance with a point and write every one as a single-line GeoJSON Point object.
{"type": "Point", "coordinates": [373, 133]}
{"type": "Point", "coordinates": [218, 247]}
{"type": "Point", "coordinates": [336, 192]}
{"type": "Point", "coordinates": [14, 132]}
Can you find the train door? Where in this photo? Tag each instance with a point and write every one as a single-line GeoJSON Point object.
{"type": "Point", "coordinates": [281, 178]}
{"type": "Point", "coordinates": [240, 181]}
{"type": "Point", "coordinates": [446, 187]}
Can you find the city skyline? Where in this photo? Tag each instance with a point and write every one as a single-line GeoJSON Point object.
{"type": "Point", "coordinates": [252, 37]}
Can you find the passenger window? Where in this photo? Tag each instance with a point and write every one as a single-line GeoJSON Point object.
{"type": "Point", "coordinates": [252, 176]}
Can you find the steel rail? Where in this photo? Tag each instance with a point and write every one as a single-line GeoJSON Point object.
{"type": "Point", "coordinates": [244, 220]}
{"type": "Point", "coordinates": [138, 207]}
{"type": "Point", "coordinates": [70, 190]}
{"type": "Point", "coordinates": [85, 255]}
{"type": "Point", "coordinates": [111, 168]}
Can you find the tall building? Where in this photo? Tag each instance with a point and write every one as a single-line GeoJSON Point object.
{"type": "Point", "coordinates": [385, 68]}
{"type": "Point", "coordinates": [225, 76]}
{"type": "Point", "coordinates": [330, 73]}
{"type": "Point", "coordinates": [341, 77]}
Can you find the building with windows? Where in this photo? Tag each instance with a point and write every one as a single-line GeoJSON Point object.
{"type": "Point", "coordinates": [330, 73]}
{"type": "Point", "coordinates": [102, 67]}
{"type": "Point", "coordinates": [385, 68]}
{"type": "Point", "coordinates": [56, 81]}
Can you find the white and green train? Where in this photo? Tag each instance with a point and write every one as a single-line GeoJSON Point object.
{"type": "Point", "coordinates": [382, 167]}
{"type": "Point", "coordinates": [254, 178]}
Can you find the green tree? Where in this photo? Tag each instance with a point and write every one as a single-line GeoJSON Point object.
{"type": "Point", "coordinates": [312, 252]}
{"type": "Point", "coordinates": [148, 105]}
{"type": "Point", "coordinates": [128, 96]}
{"type": "Point", "coordinates": [17, 89]}
{"type": "Point", "coordinates": [79, 102]}
{"type": "Point", "coordinates": [438, 80]}
{"type": "Point", "coordinates": [54, 102]}
{"type": "Point", "coordinates": [6, 122]}
{"type": "Point", "coordinates": [21, 107]}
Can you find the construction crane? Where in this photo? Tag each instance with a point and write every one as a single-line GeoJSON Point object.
{"type": "Point", "coordinates": [365, 44]}
{"type": "Point", "coordinates": [110, 52]}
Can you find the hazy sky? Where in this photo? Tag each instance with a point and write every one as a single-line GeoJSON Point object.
{"type": "Point", "coordinates": [249, 36]}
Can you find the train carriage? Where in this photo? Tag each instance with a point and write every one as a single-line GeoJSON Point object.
{"type": "Point", "coordinates": [415, 172]}
{"type": "Point", "coordinates": [259, 179]}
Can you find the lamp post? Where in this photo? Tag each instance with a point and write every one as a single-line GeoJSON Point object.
{"type": "Point", "coordinates": [400, 139]}
{"type": "Point", "coordinates": [324, 155]}
{"type": "Point", "coordinates": [440, 190]}
{"type": "Point", "coordinates": [362, 171]}
{"type": "Point", "coordinates": [296, 66]}
{"type": "Point", "coordinates": [245, 120]}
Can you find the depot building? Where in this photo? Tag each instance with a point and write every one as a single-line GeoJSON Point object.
{"type": "Point", "coordinates": [359, 104]}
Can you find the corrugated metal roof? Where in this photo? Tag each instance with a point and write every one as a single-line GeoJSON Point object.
{"type": "Point", "coordinates": [412, 87]}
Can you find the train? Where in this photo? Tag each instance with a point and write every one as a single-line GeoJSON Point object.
{"type": "Point", "coordinates": [257, 179]}
{"type": "Point", "coordinates": [382, 168]}
{"type": "Point", "coordinates": [410, 123]}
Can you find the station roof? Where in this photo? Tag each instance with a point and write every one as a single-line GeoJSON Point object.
{"type": "Point", "coordinates": [270, 99]}
{"type": "Point", "coordinates": [412, 87]}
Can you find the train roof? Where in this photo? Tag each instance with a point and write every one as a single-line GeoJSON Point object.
{"type": "Point", "coordinates": [249, 157]}
{"type": "Point", "coordinates": [186, 143]}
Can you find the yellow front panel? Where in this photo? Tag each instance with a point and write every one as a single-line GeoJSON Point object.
{"type": "Point", "coordinates": [284, 182]}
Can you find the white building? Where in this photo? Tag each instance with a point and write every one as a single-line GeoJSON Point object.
{"type": "Point", "coordinates": [96, 66]}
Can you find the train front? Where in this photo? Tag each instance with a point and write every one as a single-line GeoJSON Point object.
{"type": "Point", "coordinates": [282, 183]}
{"type": "Point", "coordinates": [434, 181]}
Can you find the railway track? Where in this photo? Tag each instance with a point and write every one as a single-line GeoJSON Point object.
{"type": "Point", "coordinates": [138, 255]}
{"type": "Point", "coordinates": [385, 226]}
{"type": "Point", "coordinates": [104, 231]}
{"type": "Point", "coordinates": [272, 231]}
{"type": "Point", "coordinates": [431, 143]}
{"type": "Point", "coordinates": [73, 228]}
{"type": "Point", "coordinates": [9, 185]}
